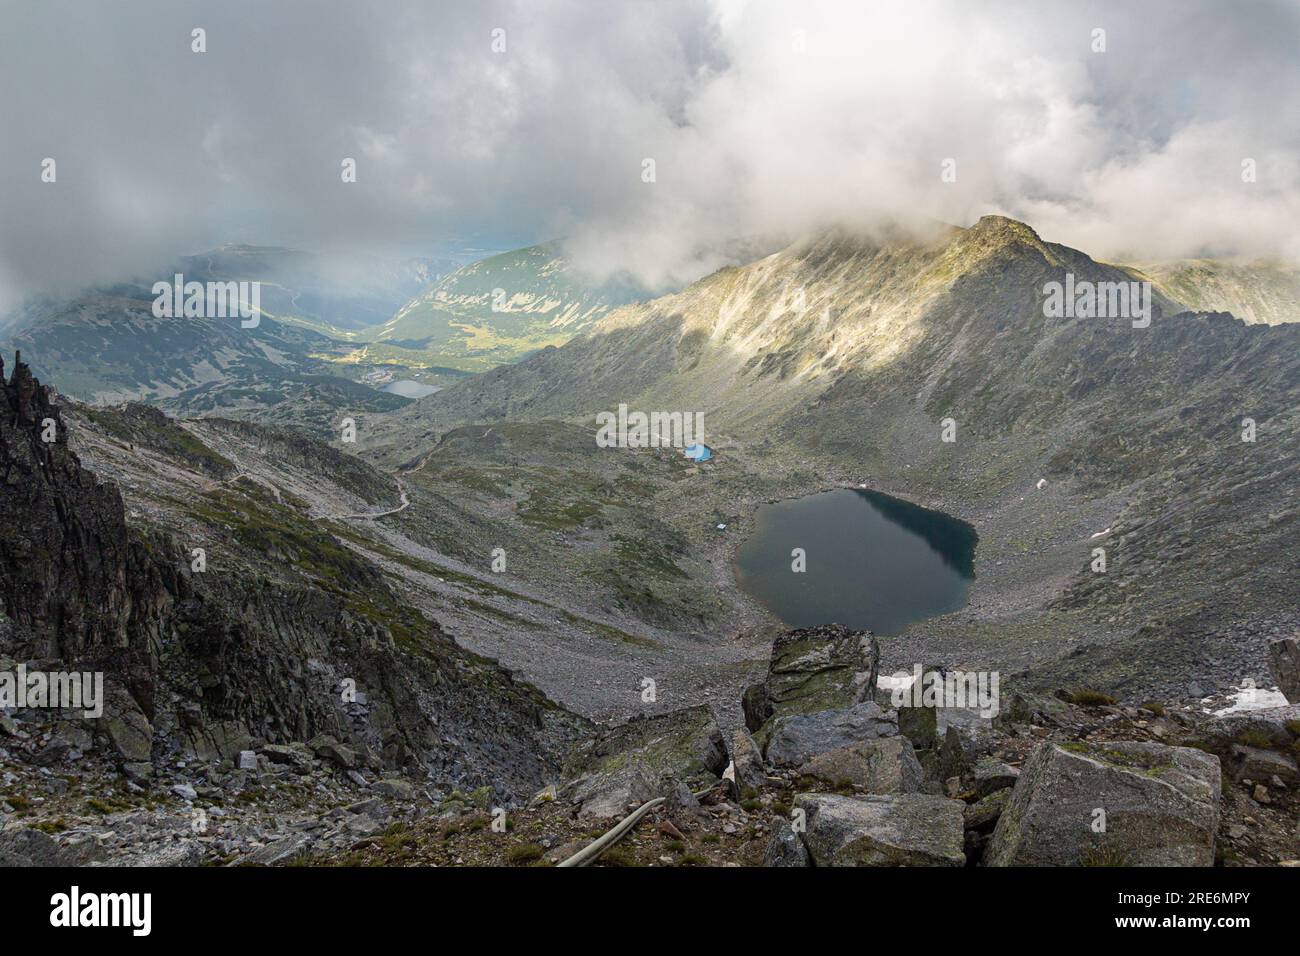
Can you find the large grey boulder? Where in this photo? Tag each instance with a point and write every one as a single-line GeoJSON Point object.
{"type": "Point", "coordinates": [645, 757]}
{"type": "Point", "coordinates": [963, 746]}
{"type": "Point", "coordinates": [217, 739]}
{"type": "Point", "coordinates": [1159, 806]}
{"type": "Point", "coordinates": [395, 788]}
{"type": "Point", "coordinates": [128, 728]}
{"type": "Point", "coordinates": [280, 851]}
{"type": "Point", "coordinates": [1284, 657]}
{"type": "Point", "coordinates": [179, 853]}
{"type": "Point", "coordinates": [990, 774]}
{"type": "Point", "coordinates": [1274, 728]}
{"type": "Point", "coordinates": [909, 829]}
{"type": "Point", "coordinates": [796, 739]}
{"type": "Point", "coordinates": [1252, 763]}
{"type": "Point", "coordinates": [295, 755]}
{"type": "Point", "coordinates": [887, 765]}
{"type": "Point", "coordinates": [785, 848]}
{"type": "Point", "coordinates": [813, 669]}
{"type": "Point", "coordinates": [1022, 707]}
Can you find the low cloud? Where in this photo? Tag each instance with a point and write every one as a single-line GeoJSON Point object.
{"type": "Point", "coordinates": [764, 120]}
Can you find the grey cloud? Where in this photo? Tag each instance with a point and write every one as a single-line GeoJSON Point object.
{"type": "Point", "coordinates": [160, 151]}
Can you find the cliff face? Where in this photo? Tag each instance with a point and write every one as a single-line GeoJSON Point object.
{"type": "Point", "coordinates": [74, 586]}
{"type": "Point", "coordinates": [208, 664]}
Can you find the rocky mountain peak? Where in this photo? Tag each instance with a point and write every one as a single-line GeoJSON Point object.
{"type": "Point", "coordinates": [64, 552]}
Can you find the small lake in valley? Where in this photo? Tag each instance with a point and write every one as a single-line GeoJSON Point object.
{"type": "Point", "coordinates": [409, 389]}
{"type": "Point", "coordinates": [871, 561]}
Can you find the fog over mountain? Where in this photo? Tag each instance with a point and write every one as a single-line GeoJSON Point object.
{"type": "Point", "coordinates": [764, 121]}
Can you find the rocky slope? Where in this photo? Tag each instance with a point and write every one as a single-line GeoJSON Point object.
{"type": "Point", "coordinates": [278, 635]}
{"type": "Point", "coordinates": [843, 777]}
{"type": "Point", "coordinates": [1267, 292]}
{"type": "Point", "coordinates": [109, 348]}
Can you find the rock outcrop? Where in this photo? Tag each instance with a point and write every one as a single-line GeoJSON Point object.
{"type": "Point", "coordinates": [887, 765]}
{"type": "Point", "coordinates": [1284, 658]}
{"type": "Point", "coordinates": [897, 830]}
{"type": "Point", "coordinates": [796, 739]}
{"type": "Point", "coordinates": [668, 755]}
{"type": "Point", "coordinates": [1125, 804]}
{"type": "Point", "coordinates": [813, 669]}
{"type": "Point", "coordinates": [200, 665]}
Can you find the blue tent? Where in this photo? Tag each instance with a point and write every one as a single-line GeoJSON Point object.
{"type": "Point", "coordinates": [698, 452]}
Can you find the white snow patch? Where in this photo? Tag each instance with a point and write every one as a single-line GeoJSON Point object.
{"type": "Point", "coordinates": [1249, 697]}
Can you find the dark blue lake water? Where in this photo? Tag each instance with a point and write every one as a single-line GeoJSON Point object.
{"type": "Point", "coordinates": [872, 561]}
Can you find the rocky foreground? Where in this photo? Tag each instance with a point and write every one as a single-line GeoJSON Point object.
{"type": "Point", "coordinates": [826, 773]}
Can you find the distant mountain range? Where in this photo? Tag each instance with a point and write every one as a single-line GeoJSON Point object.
{"type": "Point", "coordinates": [330, 292]}
{"type": "Point", "coordinates": [1263, 292]}
{"type": "Point", "coordinates": [332, 326]}
{"type": "Point", "coordinates": [335, 325]}
{"type": "Point", "coordinates": [497, 310]}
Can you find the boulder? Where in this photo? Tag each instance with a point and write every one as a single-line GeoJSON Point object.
{"type": "Point", "coordinates": [785, 848]}
{"type": "Point", "coordinates": [1160, 806]}
{"type": "Point", "coordinates": [963, 746]}
{"type": "Point", "coordinates": [80, 849]}
{"type": "Point", "coordinates": [1274, 728]}
{"type": "Point", "coordinates": [991, 774]}
{"type": "Point", "coordinates": [1252, 763]}
{"type": "Point", "coordinates": [813, 669]}
{"type": "Point", "coordinates": [395, 788]}
{"type": "Point", "coordinates": [180, 853]}
{"type": "Point", "coordinates": [1022, 707]}
{"type": "Point", "coordinates": [128, 729]}
{"type": "Point", "coordinates": [796, 739]}
{"type": "Point", "coordinates": [643, 758]}
{"type": "Point", "coordinates": [908, 829]}
{"type": "Point", "coordinates": [341, 755]}
{"type": "Point", "coordinates": [984, 813]}
{"type": "Point", "coordinates": [281, 851]}
{"type": "Point", "coordinates": [1284, 660]}
{"type": "Point", "coordinates": [217, 739]}
{"type": "Point", "coordinates": [295, 755]}
{"type": "Point", "coordinates": [747, 762]}
{"type": "Point", "coordinates": [609, 792]}
{"type": "Point", "coordinates": [888, 765]}
{"type": "Point", "coordinates": [141, 772]}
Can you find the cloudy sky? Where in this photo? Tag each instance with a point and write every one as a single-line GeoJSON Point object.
{"type": "Point", "coordinates": [764, 120]}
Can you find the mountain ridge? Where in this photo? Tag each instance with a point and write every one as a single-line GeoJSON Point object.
{"type": "Point", "coordinates": [1117, 420]}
